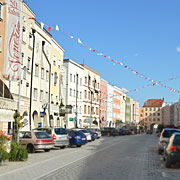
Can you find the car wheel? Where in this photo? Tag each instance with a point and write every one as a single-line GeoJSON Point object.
{"type": "Point", "coordinates": [159, 151]}
{"type": "Point", "coordinates": [30, 148]}
{"type": "Point", "coordinates": [62, 147]}
{"type": "Point", "coordinates": [78, 145]}
{"type": "Point", "coordinates": [46, 150]}
{"type": "Point", "coordinates": [168, 163]}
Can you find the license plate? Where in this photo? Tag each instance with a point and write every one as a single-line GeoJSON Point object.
{"type": "Point", "coordinates": [83, 138]}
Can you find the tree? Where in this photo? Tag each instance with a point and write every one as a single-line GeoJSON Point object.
{"type": "Point", "coordinates": [18, 125]}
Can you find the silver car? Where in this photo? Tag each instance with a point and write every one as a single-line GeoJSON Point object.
{"type": "Point", "coordinates": [59, 135]}
{"type": "Point", "coordinates": [164, 138]}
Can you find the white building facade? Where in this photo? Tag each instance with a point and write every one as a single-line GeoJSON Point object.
{"type": "Point", "coordinates": [73, 92]}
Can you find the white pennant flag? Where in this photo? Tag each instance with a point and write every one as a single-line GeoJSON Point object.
{"type": "Point", "coordinates": [121, 63]}
{"type": "Point", "coordinates": [57, 28]}
{"type": "Point", "coordinates": [71, 37]}
{"type": "Point", "coordinates": [99, 54]}
{"type": "Point", "coordinates": [79, 41]}
{"type": "Point", "coordinates": [42, 25]}
{"type": "Point", "coordinates": [109, 57]}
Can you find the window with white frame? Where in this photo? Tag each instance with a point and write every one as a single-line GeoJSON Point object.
{"type": "Point", "coordinates": [74, 93]}
{"type": "Point", "coordinates": [30, 40]}
{"type": "Point", "coordinates": [52, 78]}
{"type": "Point", "coordinates": [36, 70]}
{"type": "Point", "coordinates": [70, 92]}
{"type": "Point", "coordinates": [41, 95]}
{"type": "Point", "coordinates": [52, 98]}
{"type": "Point", "coordinates": [55, 78]}
{"type": "Point", "coordinates": [74, 78]}
{"type": "Point", "coordinates": [27, 89]}
{"type": "Point", "coordinates": [81, 81]}
{"type": "Point", "coordinates": [28, 63]}
{"type": "Point", "coordinates": [22, 59]}
{"type": "Point", "coordinates": [24, 34]}
{"type": "Point", "coordinates": [35, 94]}
{"type": "Point", "coordinates": [42, 73]}
{"type": "Point", "coordinates": [59, 64]}
{"type": "Point", "coordinates": [56, 99]}
{"type": "Point", "coordinates": [70, 77]}
{"type": "Point", "coordinates": [25, 72]}
{"type": "Point", "coordinates": [54, 60]}
{"type": "Point", "coordinates": [47, 97]}
{"type": "Point", "coordinates": [80, 95]}
{"type": "Point", "coordinates": [1, 11]}
{"type": "Point", "coordinates": [47, 75]}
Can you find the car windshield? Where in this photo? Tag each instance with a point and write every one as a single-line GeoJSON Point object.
{"type": "Point", "coordinates": [84, 131]}
{"type": "Point", "coordinates": [42, 135]}
{"type": "Point", "coordinates": [78, 133]}
{"type": "Point", "coordinates": [177, 140]}
{"type": "Point", "coordinates": [59, 131]}
{"type": "Point", "coordinates": [168, 133]}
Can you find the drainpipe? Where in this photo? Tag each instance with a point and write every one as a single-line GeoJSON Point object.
{"type": "Point", "coordinates": [32, 65]}
{"type": "Point", "coordinates": [43, 43]}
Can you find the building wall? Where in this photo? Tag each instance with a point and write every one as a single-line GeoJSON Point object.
{"type": "Point", "coordinates": [128, 110]}
{"type": "Point", "coordinates": [152, 115]}
{"type": "Point", "coordinates": [110, 90]}
{"type": "Point", "coordinates": [56, 60]}
{"type": "Point", "coordinates": [89, 87]}
{"type": "Point", "coordinates": [72, 70]}
{"type": "Point", "coordinates": [141, 115]}
{"type": "Point", "coordinates": [103, 106]}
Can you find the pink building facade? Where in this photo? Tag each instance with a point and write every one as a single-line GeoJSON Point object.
{"type": "Point", "coordinates": [103, 103]}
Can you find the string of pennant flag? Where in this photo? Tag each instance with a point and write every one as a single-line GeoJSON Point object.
{"type": "Point", "coordinates": [99, 53]}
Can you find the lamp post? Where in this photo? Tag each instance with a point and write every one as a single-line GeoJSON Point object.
{"type": "Point", "coordinates": [76, 100]}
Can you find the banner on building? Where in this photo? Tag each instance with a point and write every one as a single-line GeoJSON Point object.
{"type": "Point", "coordinates": [13, 40]}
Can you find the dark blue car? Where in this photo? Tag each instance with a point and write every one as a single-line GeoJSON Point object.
{"type": "Point", "coordinates": [77, 138]}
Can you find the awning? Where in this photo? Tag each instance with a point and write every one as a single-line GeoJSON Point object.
{"type": "Point", "coordinates": [6, 115]}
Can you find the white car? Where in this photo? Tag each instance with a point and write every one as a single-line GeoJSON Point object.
{"type": "Point", "coordinates": [86, 133]}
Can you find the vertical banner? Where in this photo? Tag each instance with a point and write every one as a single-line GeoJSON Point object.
{"type": "Point", "coordinates": [13, 40]}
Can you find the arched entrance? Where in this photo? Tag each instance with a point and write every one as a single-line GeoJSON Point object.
{"type": "Point", "coordinates": [36, 119]}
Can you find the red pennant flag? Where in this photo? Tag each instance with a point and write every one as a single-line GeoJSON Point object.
{"type": "Point", "coordinates": [49, 29]}
{"type": "Point", "coordinates": [125, 66]}
{"type": "Point", "coordinates": [131, 69]}
{"type": "Point", "coordinates": [104, 56]}
{"type": "Point", "coordinates": [162, 85]}
{"type": "Point", "coordinates": [94, 50]}
{"type": "Point", "coordinates": [117, 62]}
{"type": "Point", "coordinates": [33, 19]}
{"type": "Point", "coordinates": [178, 91]}
{"type": "Point", "coordinates": [154, 84]}
{"type": "Point", "coordinates": [112, 60]}
{"type": "Point", "coordinates": [86, 46]}
{"type": "Point", "coordinates": [165, 86]}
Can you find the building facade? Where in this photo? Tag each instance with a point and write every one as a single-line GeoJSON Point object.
{"type": "Point", "coordinates": [74, 93]}
{"type": "Point", "coordinates": [92, 97]}
{"type": "Point", "coordinates": [103, 102]}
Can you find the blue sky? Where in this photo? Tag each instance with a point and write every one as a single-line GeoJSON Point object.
{"type": "Point", "coordinates": [143, 34]}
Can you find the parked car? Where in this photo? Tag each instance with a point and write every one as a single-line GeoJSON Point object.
{"type": "Point", "coordinates": [149, 131]}
{"type": "Point", "coordinates": [36, 140]}
{"type": "Point", "coordinates": [164, 138]}
{"type": "Point", "coordinates": [59, 135]}
{"type": "Point", "coordinates": [98, 131]}
{"type": "Point", "coordinates": [172, 151]}
{"type": "Point", "coordinates": [109, 131]}
{"type": "Point", "coordinates": [94, 135]}
{"type": "Point", "coordinates": [76, 138]}
{"type": "Point", "coordinates": [88, 135]}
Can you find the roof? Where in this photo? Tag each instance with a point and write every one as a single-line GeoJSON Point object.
{"type": "Point", "coordinates": [154, 103]}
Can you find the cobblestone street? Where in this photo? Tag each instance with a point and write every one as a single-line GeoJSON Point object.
{"type": "Point", "coordinates": [125, 157]}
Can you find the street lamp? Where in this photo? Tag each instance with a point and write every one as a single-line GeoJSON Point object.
{"type": "Point", "coordinates": [44, 106]}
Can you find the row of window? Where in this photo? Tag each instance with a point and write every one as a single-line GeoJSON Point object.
{"type": "Point", "coordinates": [87, 110]}
{"type": "Point", "coordinates": [153, 119]}
{"type": "Point", "coordinates": [41, 95]}
{"type": "Point", "coordinates": [154, 114]}
{"type": "Point", "coordinates": [73, 93]}
{"type": "Point", "coordinates": [74, 78]}
{"type": "Point", "coordinates": [94, 96]}
{"type": "Point", "coordinates": [154, 109]}
{"type": "Point", "coordinates": [94, 83]}
{"type": "Point", "coordinates": [30, 37]}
